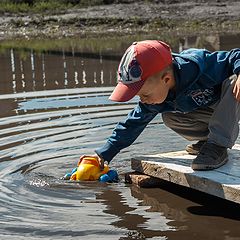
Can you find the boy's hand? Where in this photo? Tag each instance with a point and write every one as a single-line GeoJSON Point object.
{"type": "Point", "coordinates": [101, 161]}
{"type": "Point", "coordinates": [236, 89]}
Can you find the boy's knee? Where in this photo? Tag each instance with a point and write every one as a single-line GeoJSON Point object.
{"type": "Point", "coordinates": [168, 118]}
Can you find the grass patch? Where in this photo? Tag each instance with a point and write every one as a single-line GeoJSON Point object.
{"type": "Point", "coordinates": [13, 7]}
{"type": "Point", "coordinates": [91, 44]}
{"type": "Point", "coordinates": [41, 6]}
{"type": "Point", "coordinates": [38, 7]}
{"type": "Point", "coordinates": [87, 44]}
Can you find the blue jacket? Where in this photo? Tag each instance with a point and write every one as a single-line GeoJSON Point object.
{"type": "Point", "coordinates": [198, 74]}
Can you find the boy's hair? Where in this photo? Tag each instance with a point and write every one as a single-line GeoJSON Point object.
{"type": "Point", "coordinates": [140, 61]}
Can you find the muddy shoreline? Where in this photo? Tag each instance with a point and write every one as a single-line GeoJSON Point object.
{"type": "Point", "coordinates": [172, 17]}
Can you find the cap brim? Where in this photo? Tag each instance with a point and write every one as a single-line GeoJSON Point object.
{"type": "Point", "coordinates": [125, 92]}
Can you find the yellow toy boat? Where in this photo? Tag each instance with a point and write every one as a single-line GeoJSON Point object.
{"type": "Point", "coordinates": [89, 170]}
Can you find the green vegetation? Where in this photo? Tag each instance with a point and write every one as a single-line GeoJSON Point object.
{"type": "Point", "coordinates": [38, 7]}
{"type": "Point", "coordinates": [41, 6]}
{"type": "Point", "coordinates": [91, 44]}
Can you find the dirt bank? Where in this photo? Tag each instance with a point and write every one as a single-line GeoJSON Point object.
{"type": "Point", "coordinates": [171, 17]}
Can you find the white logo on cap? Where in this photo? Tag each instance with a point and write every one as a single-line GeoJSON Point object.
{"type": "Point", "coordinates": [129, 69]}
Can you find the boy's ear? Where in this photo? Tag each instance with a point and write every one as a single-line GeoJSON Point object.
{"type": "Point", "coordinates": [166, 77]}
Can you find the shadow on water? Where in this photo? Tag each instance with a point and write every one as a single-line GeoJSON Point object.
{"type": "Point", "coordinates": [172, 211]}
{"type": "Point", "coordinates": [54, 107]}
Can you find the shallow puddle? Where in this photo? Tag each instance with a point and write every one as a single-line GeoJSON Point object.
{"type": "Point", "coordinates": [54, 107]}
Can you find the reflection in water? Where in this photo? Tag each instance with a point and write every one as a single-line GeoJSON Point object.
{"type": "Point", "coordinates": [54, 70]}
{"type": "Point", "coordinates": [159, 214]}
{"type": "Point", "coordinates": [133, 216]}
{"type": "Point", "coordinates": [74, 68]}
{"type": "Point", "coordinates": [13, 72]}
{"type": "Point", "coordinates": [54, 107]}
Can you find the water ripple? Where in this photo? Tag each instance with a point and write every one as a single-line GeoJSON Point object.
{"type": "Point", "coordinates": [39, 144]}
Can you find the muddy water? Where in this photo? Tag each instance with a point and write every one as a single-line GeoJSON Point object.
{"type": "Point", "coordinates": [54, 107]}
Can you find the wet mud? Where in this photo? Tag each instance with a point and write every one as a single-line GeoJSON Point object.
{"type": "Point", "coordinates": [172, 17]}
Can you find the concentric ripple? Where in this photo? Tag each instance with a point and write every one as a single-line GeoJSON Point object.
{"type": "Point", "coordinates": [39, 144]}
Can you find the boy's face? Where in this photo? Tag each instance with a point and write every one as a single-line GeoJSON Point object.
{"type": "Point", "coordinates": [155, 89]}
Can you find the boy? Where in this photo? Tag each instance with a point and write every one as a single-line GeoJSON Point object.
{"type": "Point", "coordinates": [197, 92]}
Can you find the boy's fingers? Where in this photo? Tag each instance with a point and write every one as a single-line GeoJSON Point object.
{"type": "Point", "coordinates": [101, 163]}
{"type": "Point", "coordinates": [237, 92]}
{"type": "Point", "coordinates": [237, 95]}
{"type": "Point", "coordinates": [234, 89]}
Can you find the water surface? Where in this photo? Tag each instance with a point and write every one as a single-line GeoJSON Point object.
{"type": "Point", "coordinates": [54, 107]}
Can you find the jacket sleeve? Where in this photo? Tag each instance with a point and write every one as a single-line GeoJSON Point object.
{"type": "Point", "coordinates": [234, 60]}
{"type": "Point", "coordinates": [126, 132]}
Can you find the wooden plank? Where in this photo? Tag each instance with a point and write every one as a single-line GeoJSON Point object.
{"type": "Point", "coordinates": [175, 167]}
{"type": "Point", "coordinates": [142, 180]}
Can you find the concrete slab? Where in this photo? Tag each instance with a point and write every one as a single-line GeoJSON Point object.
{"type": "Point", "coordinates": [174, 167]}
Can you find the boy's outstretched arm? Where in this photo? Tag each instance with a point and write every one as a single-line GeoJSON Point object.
{"type": "Point", "coordinates": [126, 132]}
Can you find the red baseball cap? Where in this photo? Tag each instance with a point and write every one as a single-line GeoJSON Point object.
{"type": "Point", "coordinates": [140, 61]}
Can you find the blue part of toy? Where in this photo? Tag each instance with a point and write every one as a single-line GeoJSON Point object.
{"type": "Point", "coordinates": [104, 178]}
{"type": "Point", "coordinates": [67, 176]}
{"type": "Point", "coordinates": [113, 175]}
{"type": "Point", "coordinates": [74, 170]}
